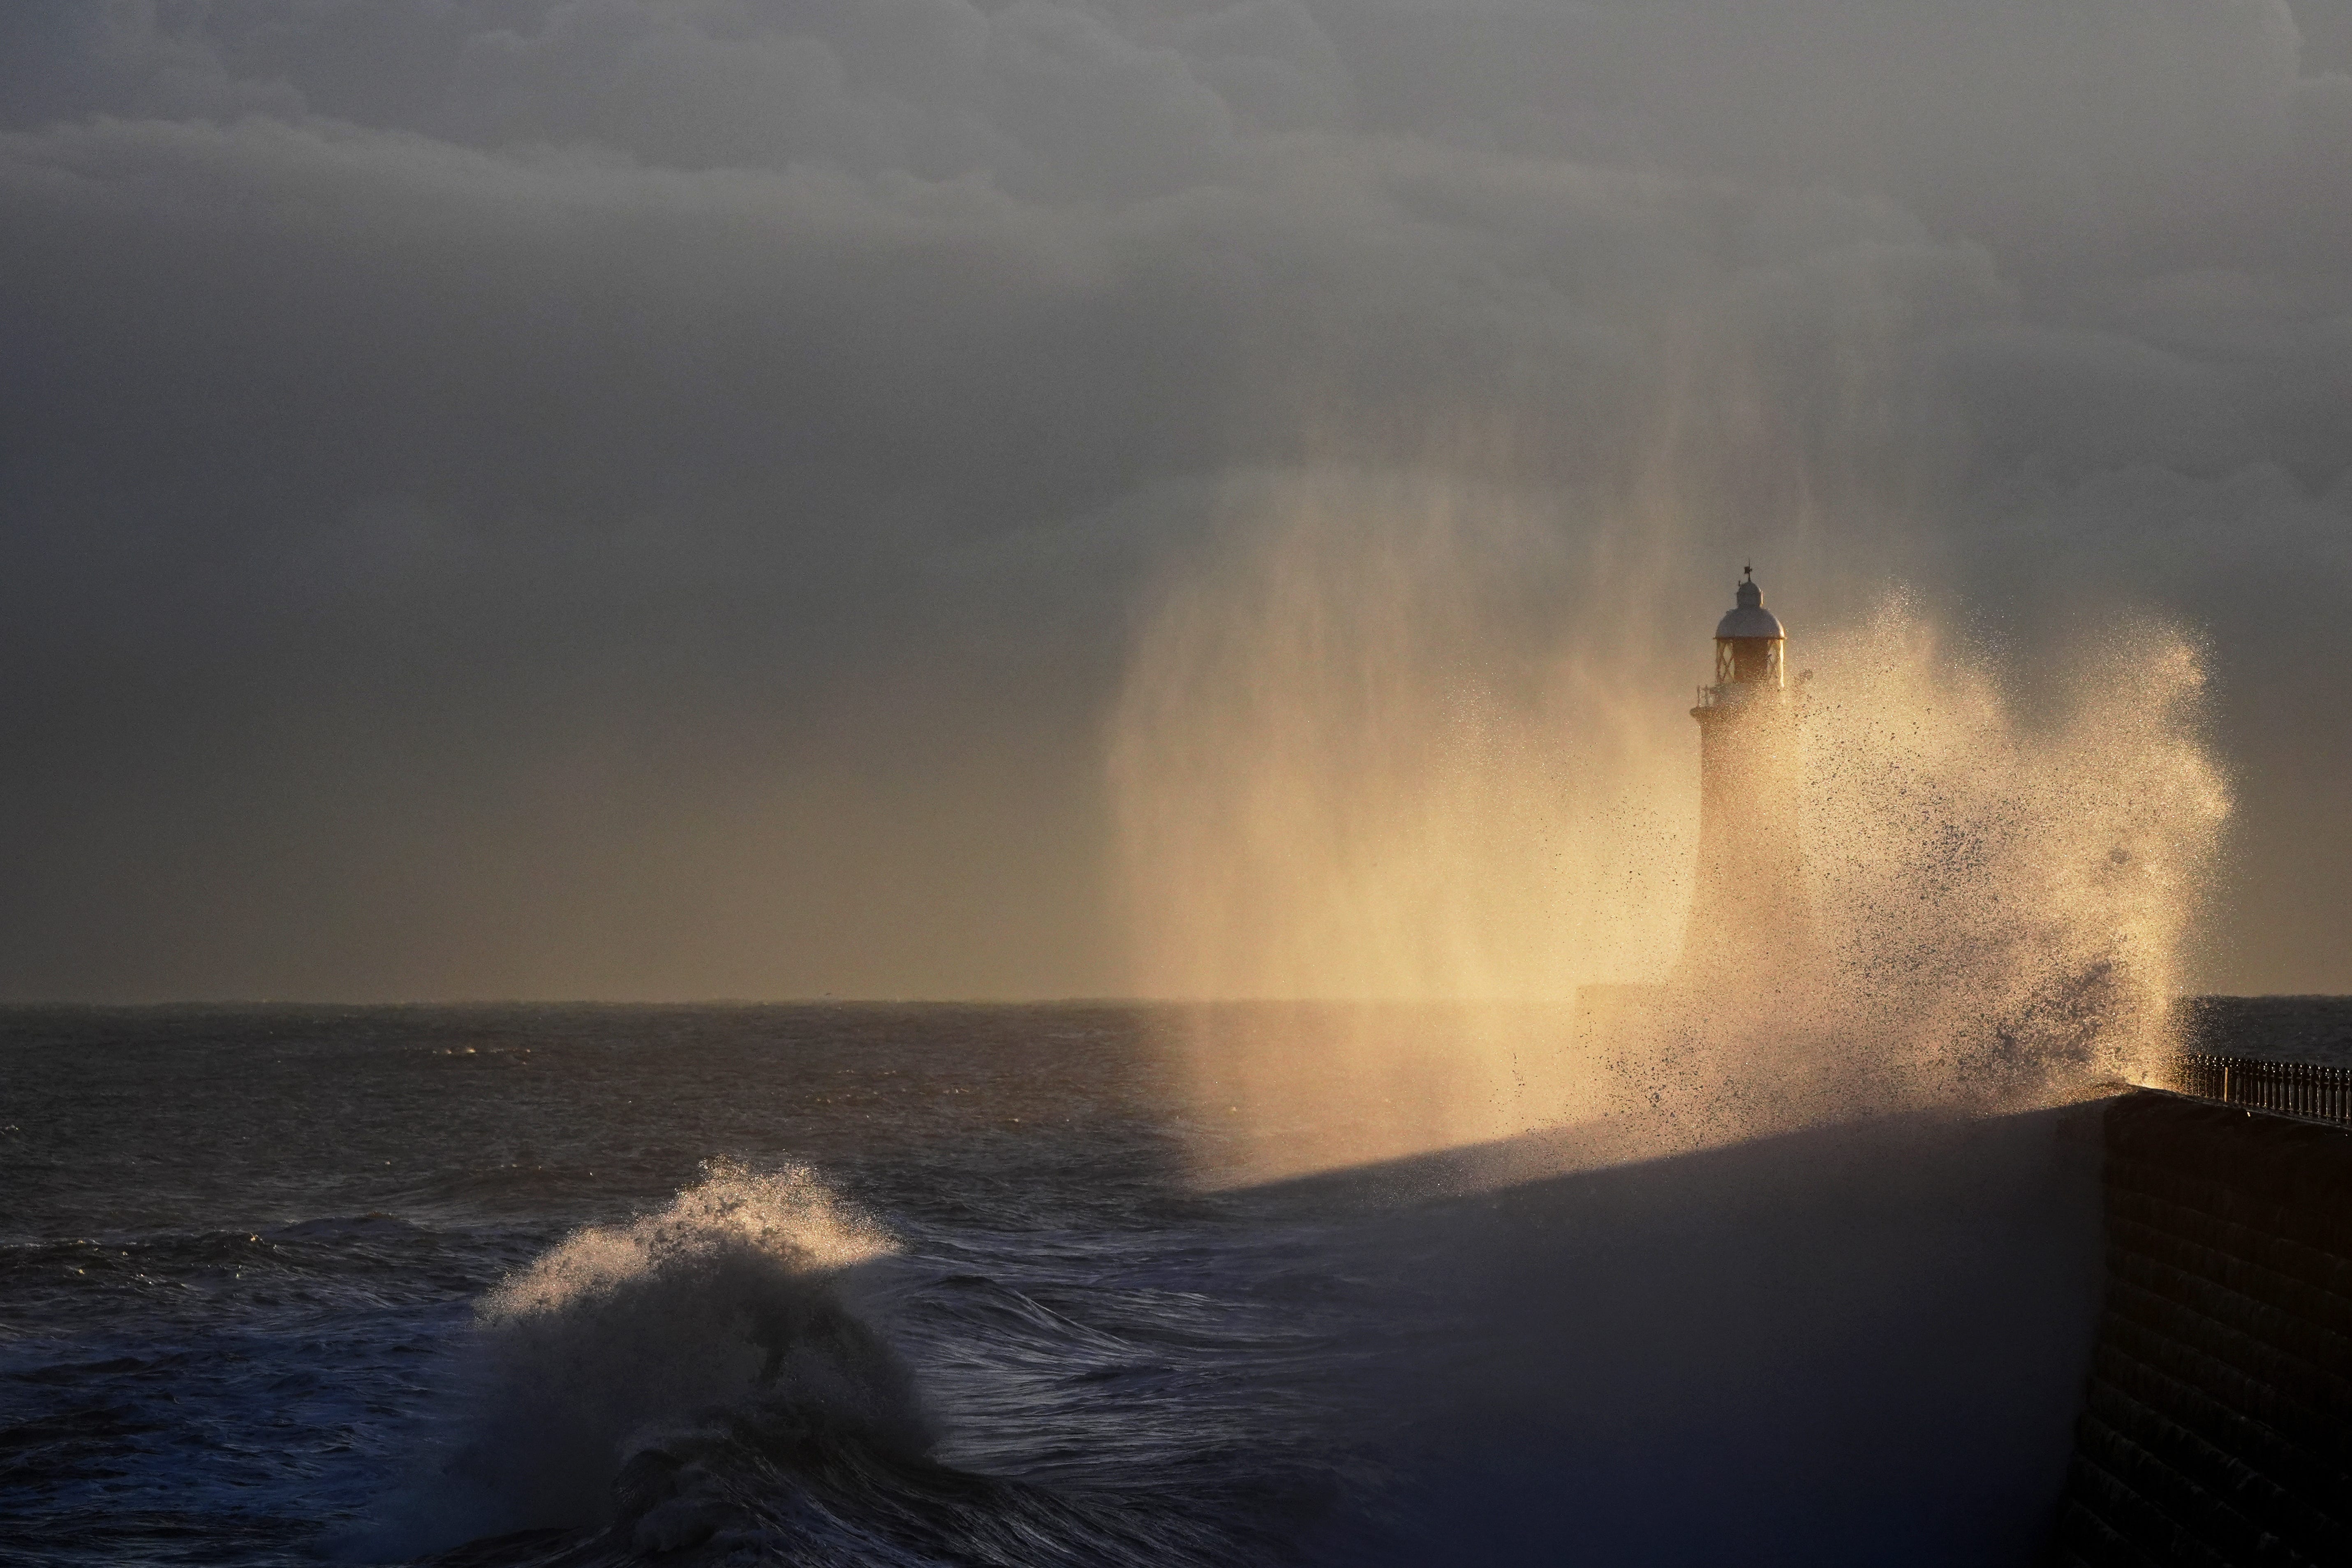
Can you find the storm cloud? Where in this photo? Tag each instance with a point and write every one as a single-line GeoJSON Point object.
{"type": "Point", "coordinates": [624, 498]}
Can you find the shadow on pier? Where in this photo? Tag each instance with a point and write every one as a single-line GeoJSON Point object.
{"type": "Point", "coordinates": [1856, 1344]}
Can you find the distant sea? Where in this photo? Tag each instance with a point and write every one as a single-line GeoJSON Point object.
{"type": "Point", "coordinates": [2282, 1028]}
{"type": "Point", "coordinates": [932, 1285]}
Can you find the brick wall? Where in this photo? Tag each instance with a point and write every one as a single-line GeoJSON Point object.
{"type": "Point", "coordinates": [2216, 1427]}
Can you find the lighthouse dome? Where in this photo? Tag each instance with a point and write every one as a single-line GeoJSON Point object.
{"type": "Point", "coordinates": [1748, 617]}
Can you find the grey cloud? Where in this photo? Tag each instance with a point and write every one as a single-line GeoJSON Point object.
{"type": "Point", "coordinates": [2083, 401]}
{"type": "Point", "coordinates": [418, 411]}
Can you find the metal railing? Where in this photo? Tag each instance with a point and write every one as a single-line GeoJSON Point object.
{"type": "Point", "coordinates": [2313, 1090]}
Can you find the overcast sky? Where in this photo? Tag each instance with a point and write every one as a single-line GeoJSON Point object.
{"type": "Point", "coordinates": [626, 498]}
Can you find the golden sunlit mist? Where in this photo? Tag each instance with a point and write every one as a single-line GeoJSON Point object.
{"type": "Point", "coordinates": [1412, 769]}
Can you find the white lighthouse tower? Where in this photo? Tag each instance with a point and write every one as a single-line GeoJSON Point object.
{"type": "Point", "coordinates": [1749, 921]}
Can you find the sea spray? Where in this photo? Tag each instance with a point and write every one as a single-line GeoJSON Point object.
{"type": "Point", "coordinates": [2005, 901]}
{"type": "Point", "coordinates": [1996, 906]}
{"type": "Point", "coordinates": [1355, 761]}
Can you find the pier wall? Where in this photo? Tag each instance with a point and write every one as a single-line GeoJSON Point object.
{"type": "Point", "coordinates": [2217, 1426]}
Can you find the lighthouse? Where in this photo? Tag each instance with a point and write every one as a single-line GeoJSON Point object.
{"type": "Point", "coordinates": [1749, 922]}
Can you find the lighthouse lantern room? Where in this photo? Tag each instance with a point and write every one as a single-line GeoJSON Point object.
{"type": "Point", "coordinates": [1748, 641]}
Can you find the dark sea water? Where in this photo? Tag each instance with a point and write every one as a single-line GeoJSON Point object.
{"type": "Point", "coordinates": [915, 1285]}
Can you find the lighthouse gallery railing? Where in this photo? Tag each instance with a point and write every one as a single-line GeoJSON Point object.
{"type": "Point", "coordinates": [2316, 1089]}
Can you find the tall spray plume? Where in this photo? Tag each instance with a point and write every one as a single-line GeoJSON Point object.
{"type": "Point", "coordinates": [1408, 800]}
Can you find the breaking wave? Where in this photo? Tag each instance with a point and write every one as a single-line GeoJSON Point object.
{"type": "Point", "coordinates": [704, 1383]}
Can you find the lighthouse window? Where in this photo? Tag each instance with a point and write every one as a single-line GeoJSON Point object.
{"type": "Point", "coordinates": [1749, 661]}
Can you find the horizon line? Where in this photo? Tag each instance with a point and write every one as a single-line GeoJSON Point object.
{"type": "Point", "coordinates": [828, 1000]}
